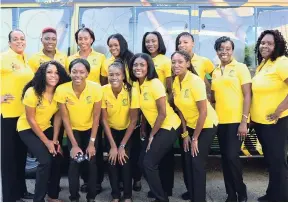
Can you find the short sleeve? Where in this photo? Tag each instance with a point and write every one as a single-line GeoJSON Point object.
{"type": "Point", "coordinates": [30, 99]}
{"type": "Point", "coordinates": [103, 66]}
{"type": "Point", "coordinates": [135, 104]}
{"type": "Point", "coordinates": [282, 69]}
{"type": "Point", "coordinates": [198, 90]}
{"type": "Point", "coordinates": [244, 74]}
{"type": "Point", "coordinates": [167, 69]}
{"type": "Point", "coordinates": [59, 95]}
{"type": "Point", "coordinates": [98, 93]}
{"type": "Point", "coordinates": [209, 67]}
{"type": "Point", "coordinates": [157, 89]}
{"type": "Point", "coordinates": [34, 65]}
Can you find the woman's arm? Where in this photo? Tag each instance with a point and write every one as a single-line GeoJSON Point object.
{"type": "Point", "coordinates": [56, 126]}
{"type": "Point", "coordinates": [246, 91]}
{"type": "Point", "coordinates": [186, 140]}
{"type": "Point", "coordinates": [161, 108]}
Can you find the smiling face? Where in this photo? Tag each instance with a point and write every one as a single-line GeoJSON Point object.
{"type": "Point", "coordinates": [186, 44]}
{"type": "Point", "coordinates": [49, 41]}
{"type": "Point", "coordinates": [267, 46]}
{"type": "Point", "coordinates": [18, 42]}
{"type": "Point", "coordinates": [84, 40]}
{"type": "Point", "coordinates": [225, 52]}
{"type": "Point", "coordinates": [115, 76]}
{"type": "Point", "coordinates": [52, 77]}
{"type": "Point", "coordinates": [140, 68]}
{"type": "Point", "coordinates": [114, 47]}
{"type": "Point", "coordinates": [179, 64]}
{"type": "Point", "coordinates": [152, 44]}
{"type": "Point", "coordinates": [78, 74]}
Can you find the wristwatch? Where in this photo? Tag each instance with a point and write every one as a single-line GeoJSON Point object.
{"type": "Point", "coordinates": [122, 146]}
{"type": "Point", "coordinates": [92, 139]}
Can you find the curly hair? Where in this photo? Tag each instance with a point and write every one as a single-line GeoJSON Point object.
{"type": "Point", "coordinates": [280, 48]}
{"type": "Point", "coordinates": [39, 80]}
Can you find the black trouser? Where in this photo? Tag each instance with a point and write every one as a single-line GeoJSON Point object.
{"type": "Point", "coordinates": [162, 143]}
{"type": "Point", "coordinates": [48, 173]}
{"type": "Point", "coordinates": [117, 171]}
{"type": "Point", "coordinates": [13, 161]}
{"type": "Point", "coordinates": [136, 146]}
{"type": "Point", "coordinates": [230, 146]}
{"type": "Point", "coordinates": [82, 138]}
{"type": "Point", "coordinates": [99, 162]}
{"type": "Point", "coordinates": [195, 166]}
{"type": "Point", "coordinates": [273, 139]}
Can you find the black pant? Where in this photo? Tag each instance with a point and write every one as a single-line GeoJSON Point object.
{"type": "Point", "coordinates": [136, 147]}
{"type": "Point", "coordinates": [99, 162]}
{"type": "Point", "coordinates": [117, 171]}
{"type": "Point", "coordinates": [195, 166]}
{"type": "Point", "coordinates": [162, 143]}
{"type": "Point", "coordinates": [48, 173]}
{"type": "Point", "coordinates": [273, 139]}
{"type": "Point", "coordinates": [230, 146]}
{"type": "Point", "coordinates": [82, 138]}
{"type": "Point", "coordinates": [13, 161]}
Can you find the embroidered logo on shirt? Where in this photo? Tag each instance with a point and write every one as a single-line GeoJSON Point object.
{"type": "Point", "coordinates": [145, 96]}
{"type": "Point", "coordinates": [186, 93]}
{"type": "Point", "coordinates": [125, 102]}
{"type": "Point", "coordinates": [108, 104]}
{"type": "Point", "coordinates": [232, 73]}
{"type": "Point", "coordinates": [69, 101]}
{"type": "Point", "coordinates": [41, 61]}
{"type": "Point", "coordinates": [15, 66]}
{"type": "Point", "coordinates": [94, 61]}
{"type": "Point", "coordinates": [89, 99]}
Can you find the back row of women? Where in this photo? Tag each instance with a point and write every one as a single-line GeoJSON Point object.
{"type": "Point", "coordinates": [172, 96]}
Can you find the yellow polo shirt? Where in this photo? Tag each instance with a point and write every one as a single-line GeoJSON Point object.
{"type": "Point", "coordinates": [96, 61]}
{"type": "Point", "coordinates": [149, 92]}
{"type": "Point", "coordinates": [227, 87]}
{"type": "Point", "coordinates": [44, 111]}
{"type": "Point", "coordinates": [269, 89]}
{"type": "Point", "coordinates": [202, 65]}
{"type": "Point", "coordinates": [37, 59]}
{"type": "Point", "coordinates": [118, 109]}
{"type": "Point", "coordinates": [108, 62]}
{"type": "Point", "coordinates": [186, 93]}
{"type": "Point", "coordinates": [80, 109]}
{"type": "Point", "coordinates": [163, 67]}
{"type": "Point", "coordinates": [15, 74]}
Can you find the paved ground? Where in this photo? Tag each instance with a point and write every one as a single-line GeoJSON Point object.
{"type": "Point", "coordinates": [255, 177]}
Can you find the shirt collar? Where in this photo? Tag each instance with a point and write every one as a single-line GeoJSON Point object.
{"type": "Point", "coordinates": [91, 53]}
{"type": "Point", "coordinates": [186, 77]}
{"type": "Point", "coordinates": [195, 57]}
{"type": "Point", "coordinates": [42, 53]}
{"type": "Point", "coordinates": [232, 64]}
{"type": "Point", "coordinates": [19, 56]}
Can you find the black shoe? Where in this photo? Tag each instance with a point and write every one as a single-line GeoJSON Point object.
{"type": "Point", "coordinates": [137, 186]}
{"type": "Point", "coordinates": [185, 196]}
{"type": "Point", "coordinates": [90, 200]}
{"type": "Point", "coordinates": [150, 195]}
{"type": "Point", "coordinates": [169, 193]}
{"type": "Point", "coordinates": [121, 186]}
{"type": "Point", "coordinates": [231, 199]}
{"type": "Point", "coordinates": [74, 200]}
{"type": "Point", "coordinates": [84, 188]}
{"type": "Point", "coordinates": [20, 200]}
{"type": "Point", "coordinates": [28, 195]}
{"type": "Point", "coordinates": [264, 198]}
{"type": "Point", "coordinates": [243, 198]}
{"type": "Point", "coordinates": [98, 189]}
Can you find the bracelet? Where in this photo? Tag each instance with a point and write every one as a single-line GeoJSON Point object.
{"type": "Point", "coordinates": [185, 134]}
{"type": "Point", "coordinates": [92, 139]}
{"type": "Point", "coordinates": [122, 146]}
{"type": "Point", "coordinates": [245, 116]}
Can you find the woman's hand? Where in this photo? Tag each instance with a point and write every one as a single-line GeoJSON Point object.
{"type": "Point", "coordinates": [6, 98]}
{"type": "Point", "coordinates": [74, 151]}
{"type": "Point", "coordinates": [113, 155]}
{"type": "Point", "coordinates": [242, 131]}
{"type": "Point", "coordinates": [149, 143]}
{"type": "Point", "coordinates": [122, 156]}
{"type": "Point", "coordinates": [91, 151]}
{"type": "Point", "coordinates": [274, 116]}
{"type": "Point", "coordinates": [186, 144]}
{"type": "Point", "coordinates": [194, 147]}
{"type": "Point", "coordinates": [51, 148]}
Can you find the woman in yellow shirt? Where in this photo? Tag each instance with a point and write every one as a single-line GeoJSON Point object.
{"type": "Point", "coordinates": [231, 93]}
{"type": "Point", "coordinates": [49, 51]}
{"type": "Point", "coordinates": [35, 129]}
{"type": "Point", "coordinates": [269, 110]}
{"type": "Point", "coordinates": [153, 44]}
{"type": "Point", "coordinates": [15, 73]}
{"type": "Point", "coordinates": [80, 106]}
{"type": "Point", "coordinates": [199, 122]}
{"type": "Point", "coordinates": [117, 102]}
{"type": "Point", "coordinates": [85, 38]}
{"type": "Point", "coordinates": [163, 120]}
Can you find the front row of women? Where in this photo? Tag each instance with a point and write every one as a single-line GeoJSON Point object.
{"type": "Point", "coordinates": [196, 122]}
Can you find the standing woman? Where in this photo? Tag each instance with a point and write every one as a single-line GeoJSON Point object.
{"type": "Point", "coordinates": [80, 106]}
{"type": "Point", "coordinates": [15, 73]}
{"type": "Point", "coordinates": [231, 92]}
{"type": "Point", "coordinates": [269, 110]}
{"type": "Point", "coordinates": [199, 121]}
{"type": "Point", "coordinates": [49, 51]}
{"type": "Point", "coordinates": [117, 102]}
{"type": "Point", "coordinates": [153, 44]}
{"type": "Point", "coordinates": [35, 128]}
{"type": "Point", "coordinates": [160, 116]}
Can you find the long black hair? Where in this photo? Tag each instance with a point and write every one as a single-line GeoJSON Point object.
{"type": "Point", "coordinates": [187, 58]}
{"type": "Point", "coordinates": [161, 44]}
{"type": "Point", "coordinates": [39, 80]}
{"type": "Point", "coordinates": [125, 54]}
{"type": "Point", "coordinates": [151, 72]}
{"type": "Point", "coordinates": [280, 48]}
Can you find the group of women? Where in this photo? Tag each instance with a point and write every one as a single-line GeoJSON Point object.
{"type": "Point", "coordinates": [143, 103]}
